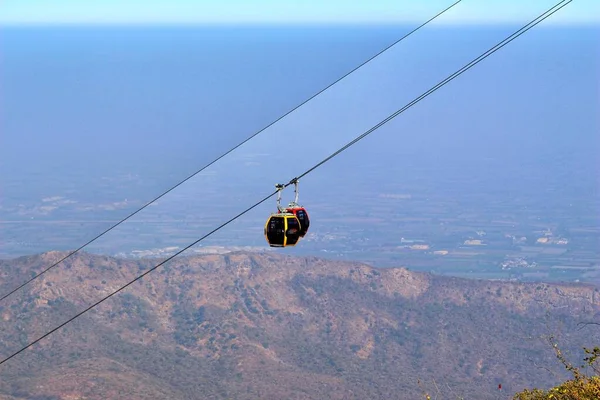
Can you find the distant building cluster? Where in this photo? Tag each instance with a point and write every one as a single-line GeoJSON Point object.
{"type": "Point", "coordinates": [520, 262]}
{"type": "Point", "coordinates": [515, 239]}
{"type": "Point", "coordinates": [474, 242]}
{"type": "Point", "coordinates": [552, 240]}
{"type": "Point", "coordinates": [414, 244]}
{"type": "Point", "coordinates": [547, 238]}
{"type": "Point", "coordinates": [169, 251]}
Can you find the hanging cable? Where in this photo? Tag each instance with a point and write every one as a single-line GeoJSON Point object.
{"type": "Point", "coordinates": [492, 50]}
{"type": "Point", "coordinates": [225, 154]}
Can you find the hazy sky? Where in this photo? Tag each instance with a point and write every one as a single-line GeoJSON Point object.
{"type": "Point", "coordinates": [288, 11]}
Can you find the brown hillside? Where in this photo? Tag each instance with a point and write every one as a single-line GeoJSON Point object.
{"type": "Point", "coordinates": [254, 325]}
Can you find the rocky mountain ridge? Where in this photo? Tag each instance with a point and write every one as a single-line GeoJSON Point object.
{"type": "Point", "coordinates": [265, 325]}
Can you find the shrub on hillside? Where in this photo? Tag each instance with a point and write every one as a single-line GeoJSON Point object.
{"type": "Point", "coordinates": [581, 387]}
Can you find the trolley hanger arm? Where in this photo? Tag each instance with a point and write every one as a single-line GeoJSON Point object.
{"type": "Point", "coordinates": [296, 191]}
{"type": "Point", "coordinates": [281, 186]}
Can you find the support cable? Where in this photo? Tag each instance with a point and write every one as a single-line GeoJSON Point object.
{"type": "Point", "coordinates": [492, 50]}
{"type": "Point", "coordinates": [224, 154]}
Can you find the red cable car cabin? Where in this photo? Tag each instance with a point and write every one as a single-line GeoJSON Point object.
{"type": "Point", "coordinates": [302, 215]}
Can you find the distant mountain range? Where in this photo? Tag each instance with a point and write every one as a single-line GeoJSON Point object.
{"type": "Point", "coordinates": [248, 325]}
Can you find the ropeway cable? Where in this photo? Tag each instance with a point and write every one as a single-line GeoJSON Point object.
{"type": "Point", "coordinates": [224, 154]}
{"type": "Point", "coordinates": [492, 50]}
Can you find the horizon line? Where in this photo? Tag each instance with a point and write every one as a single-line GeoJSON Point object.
{"type": "Point", "coordinates": [358, 23]}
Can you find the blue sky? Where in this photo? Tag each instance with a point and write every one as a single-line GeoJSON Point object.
{"type": "Point", "coordinates": [287, 11]}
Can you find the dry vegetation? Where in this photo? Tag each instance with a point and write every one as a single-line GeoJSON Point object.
{"type": "Point", "coordinates": [252, 326]}
{"type": "Point", "coordinates": [581, 386]}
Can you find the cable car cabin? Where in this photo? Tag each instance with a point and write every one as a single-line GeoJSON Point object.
{"type": "Point", "coordinates": [282, 229]}
{"type": "Point", "coordinates": [302, 215]}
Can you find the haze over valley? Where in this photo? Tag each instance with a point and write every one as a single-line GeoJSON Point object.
{"type": "Point", "coordinates": [444, 249]}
